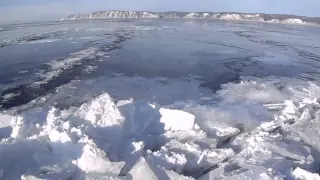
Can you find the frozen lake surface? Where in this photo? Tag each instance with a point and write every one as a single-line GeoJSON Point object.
{"type": "Point", "coordinates": [159, 100]}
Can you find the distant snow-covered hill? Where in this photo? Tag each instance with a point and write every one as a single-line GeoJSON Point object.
{"type": "Point", "coordinates": [273, 18]}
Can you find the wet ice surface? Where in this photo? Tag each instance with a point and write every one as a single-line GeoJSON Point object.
{"type": "Point", "coordinates": [159, 100]}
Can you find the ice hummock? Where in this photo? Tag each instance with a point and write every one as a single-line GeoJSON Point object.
{"type": "Point", "coordinates": [235, 138]}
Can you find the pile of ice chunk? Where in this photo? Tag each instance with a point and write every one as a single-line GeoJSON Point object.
{"type": "Point", "coordinates": [241, 137]}
{"type": "Point", "coordinates": [98, 139]}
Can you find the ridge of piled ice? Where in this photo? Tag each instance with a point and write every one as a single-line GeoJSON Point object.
{"type": "Point", "coordinates": [256, 138]}
{"type": "Point", "coordinates": [58, 66]}
{"type": "Point", "coordinates": [104, 122]}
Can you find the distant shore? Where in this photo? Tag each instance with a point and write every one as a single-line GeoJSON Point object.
{"type": "Point", "coordinates": [260, 17]}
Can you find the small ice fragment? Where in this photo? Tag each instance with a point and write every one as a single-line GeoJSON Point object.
{"type": "Point", "coordinates": [23, 72]}
{"type": "Point", "coordinates": [287, 150]}
{"type": "Point", "coordinates": [305, 115]}
{"type": "Point", "coordinates": [302, 174]}
{"type": "Point", "coordinates": [18, 127]}
{"type": "Point", "coordinates": [251, 174]}
{"type": "Point", "coordinates": [76, 131]}
{"type": "Point", "coordinates": [142, 170]}
{"type": "Point", "coordinates": [205, 98]}
{"type": "Point", "coordinates": [66, 125]}
{"type": "Point", "coordinates": [56, 136]}
{"type": "Point", "coordinates": [175, 176]}
{"type": "Point", "coordinates": [52, 172]}
{"type": "Point", "coordinates": [196, 126]}
{"type": "Point", "coordinates": [173, 161]}
{"type": "Point", "coordinates": [94, 160]}
{"type": "Point", "coordinates": [218, 155]}
{"type": "Point", "coordinates": [274, 106]}
{"type": "Point", "coordinates": [6, 120]}
{"type": "Point", "coordinates": [176, 120]}
{"type": "Point", "coordinates": [101, 177]}
{"type": "Point", "coordinates": [290, 108]}
{"type": "Point", "coordinates": [224, 135]}
{"type": "Point", "coordinates": [9, 96]}
{"type": "Point", "coordinates": [186, 136]}
{"type": "Point", "coordinates": [177, 156]}
{"type": "Point", "coordinates": [273, 125]}
{"type": "Point", "coordinates": [309, 140]}
{"type": "Point", "coordinates": [269, 126]}
{"type": "Point", "coordinates": [310, 101]}
{"type": "Point", "coordinates": [203, 154]}
{"type": "Point", "coordinates": [214, 174]}
{"type": "Point", "coordinates": [227, 133]}
{"type": "Point", "coordinates": [134, 152]}
{"type": "Point", "coordinates": [30, 177]}
{"type": "Point", "coordinates": [208, 143]}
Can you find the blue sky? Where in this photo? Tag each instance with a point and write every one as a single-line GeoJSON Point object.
{"type": "Point", "coordinates": [13, 10]}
